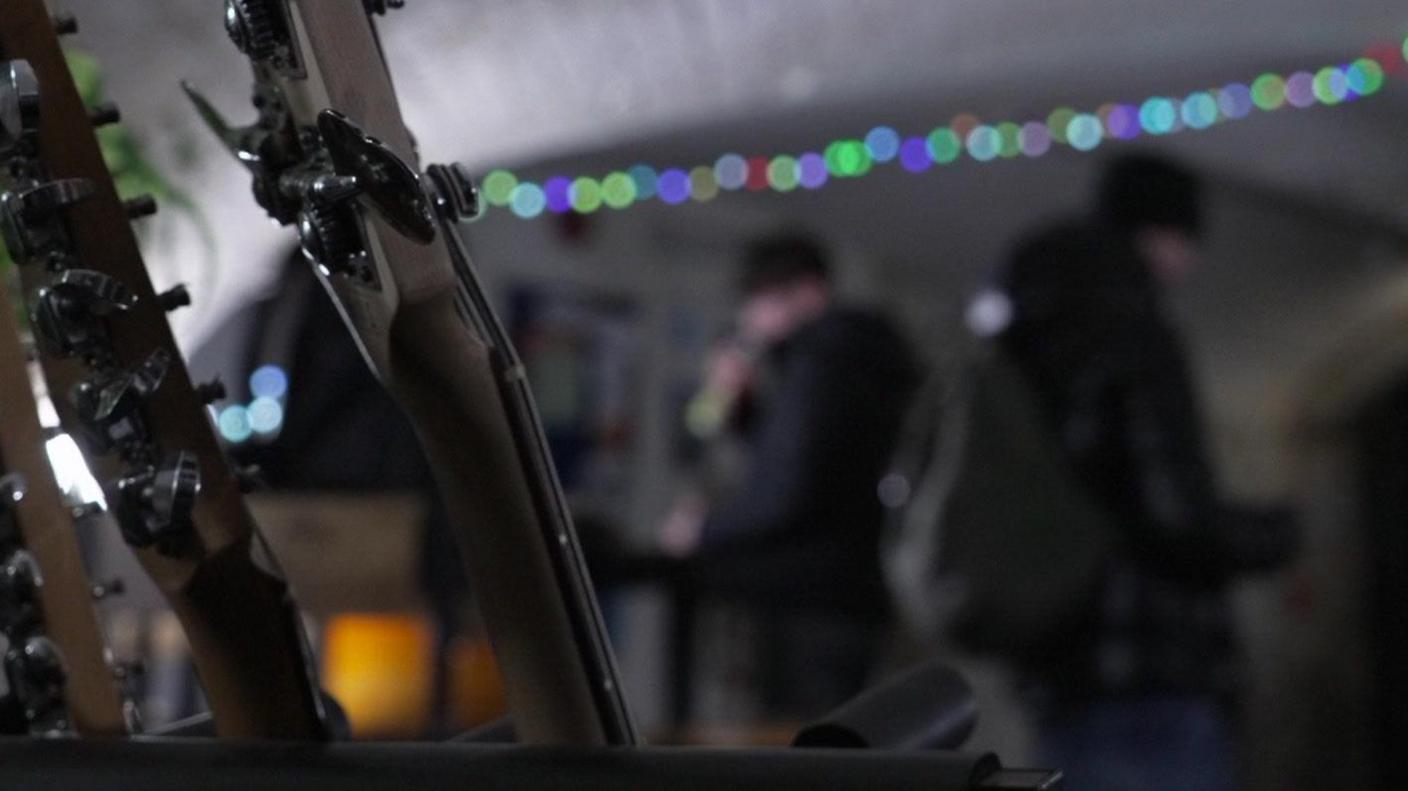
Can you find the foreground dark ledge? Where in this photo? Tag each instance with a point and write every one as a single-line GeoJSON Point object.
{"type": "Point", "coordinates": [205, 765]}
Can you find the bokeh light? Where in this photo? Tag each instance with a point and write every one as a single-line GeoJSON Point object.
{"type": "Point", "coordinates": [944, 145]}
{"type": "Point", "coordinates": [811, 170]}
{"type": "Point", "coordinates": [1331, 86]}
{"type": "Point", "coordinates": [782, 173]}
{"type": "Point", "coordinates": [1234, 101]}
{"type": "Point", "coordinates": [498, 187]}
{"type": "Point", "coordinates": [645, 179]}
{"type": "Point", "coordinates": [702, 185]}
{"type": "Point", "coordinates": [851, 158]}
{"type": "Point", "coordinates": [983, 143]}
{"type": "Point", "coordinates": [731, 172]}
{"type": "Point", "coordinates": [1058, 122]}
{"type": "Point", "coordinates": [1035, 139]}
{"type": "Point", "coordinates": [618, 190]}
{"type": "Point", "coordinates": [1365, 77]}
{"type": "Point", "coordinates": [1123, 122]}
{"type": "Point", "coordinates": [268, 381]}
{"type": "Point", "coordinates": [1300, 89]}
{"type": "Point", "coordinates": [914, 155]}
{"type": "Point", "coordinates": [673, 186]}
{"type": "Point", "coordinates": [1200, 110]}
{"type": "Point", "coordinates": [882, 143]}
{"type": "Point", "coordinates": [266, 416]}
{"type": "Point", "coordinates": [528, 200]}
{"type": "Point", "coordinates": [1158, 116]}
{"type": "Point", "coordinates": [1009, 137]}
{"type": "Point", "coordinates": [585, 195]}
{"type": "Point", "coordinates": [233, 423]}
{"type": "Point", "coordinates": [1085, 132]}
{"type": "Point", "coordinates": [1269, 92]}
{"type": "Point", "coordinates": [557, 191]}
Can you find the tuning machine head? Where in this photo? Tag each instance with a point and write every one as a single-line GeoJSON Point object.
{"type": "Point", "coordinates": [19, 105]}
{"type": "Point", "coordinates": [155, 504]}
{"type": "Point", "coordinates": [385, 182]}
{"type": "Point", "coordinates": [34, 666]}
{"type": "Point", "coordinates": [67, 314]}
{"type": "Point", "coordinates": [108, 404]}
{"type": "Point", "coordinates": [29, 215]}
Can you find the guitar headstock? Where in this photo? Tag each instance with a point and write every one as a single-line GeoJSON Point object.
{"type": "Point", "coordinates": [121, 388]}
{"type": "Point", "coordinates": [59, 680]}
{"type": "Point", "coordinates": [329, 154]}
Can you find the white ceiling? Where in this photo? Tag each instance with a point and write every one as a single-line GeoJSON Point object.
{"type": "Point", "coordinates": [516, 82]}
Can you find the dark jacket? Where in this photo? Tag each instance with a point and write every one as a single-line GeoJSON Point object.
{"type": "Point", "coordinates": [804, 527]}
{"type": "Point", "coordinates": [1089, 333]}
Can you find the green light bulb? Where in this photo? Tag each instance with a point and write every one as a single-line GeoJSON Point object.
{"type": "Point", "coordinates": [1059, 122]}
{"type": "Point", "coordinates": [703, 186]}
{"type": "Point", "coordinates": [498, 187]}
{"type": "Point", "coordinates": [783, 174]}
{"type": "Point", "coordinates": [944, 145]}
{"type": "Point", "coordinates": [618, 190]}
{"type": "Point", "coordinates": [1269, 92]}
{"type": "Point", "coordinates": [585, 195]}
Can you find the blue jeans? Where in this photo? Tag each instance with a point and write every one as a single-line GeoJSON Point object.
{"type": "Point", "coordinates": [1150, 743]}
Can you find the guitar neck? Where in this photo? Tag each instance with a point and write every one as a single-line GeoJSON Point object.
{"type": "Point", "coordinates": [45, 527]}
{"type": "Point", "coordinates": [243, 628]}
{"type": "Point", "coordinates": [466, 398]}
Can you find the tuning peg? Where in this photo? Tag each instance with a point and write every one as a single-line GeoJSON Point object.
{"type": "Point", "coordinates": [155, 504]}
{"type": "Point", "coordinates": [39, 202]}
{"type": "Point", "coordinates": [67, 313]}
{"type": "Point", "coordinates": [387, 183]}
{"type": "Point", "coordinates": [12, 489]}
{"type": "Point", "coordinates": [455, 196]}
{"type": "Point", "coordinates": [20, 581]}
{"type": "Point", "coordinates": [104, 114]}
{"type": "Point", "coordinates": [65, 24]}
{"type": "Point", "coordinates": [86, 511]}
{"type": "Point", "coordinates": [210, 392]}
{"type": "Point", "coordinates": [139, 207]}
{"type": "Point", "coordinates": [19, 103]}
{"type": "Point", "coordinates": [107, 402]}
{"type": "Point", "coordinates": [175, 297]}
{"type": "Point", "coordinates": [113, 587]}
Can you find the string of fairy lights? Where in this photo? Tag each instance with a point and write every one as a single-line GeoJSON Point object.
{"type": "Point", "coordinates": [966, 134]}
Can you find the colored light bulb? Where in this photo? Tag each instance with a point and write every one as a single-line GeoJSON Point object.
{"type": "Point", "coordinates": [497, 187]}
{"type": "Point", "coordinates": [557, 194]}
{"type": "Point", "coordinates": [914, 155]}
{"type": "Point", "coordinates": [1365, 77]}
{"type": "Point", "coordinates": [673, 186]}
{"type": "Point", "coordinates": [1234, 101]}
{"type": "Point", "coordinates": [528, 200]}
{"type": "Point", "coordinates": [618, 190]}
{"type": "Point", "coordinates": [1199, 110]}
{"type": "Point", "coordinates": [811, 170]}
{"type": "Point", "coordinates": [233, 423]}
{"type": "Point", "coordinates": [1300, 90]}
{"type": "Point", "coordinates": [585, 195]}
{"type": "Point", "coordinates": [1331, 86]}
{"type": "Point", "coordinates": [882, 143]}
{"type": "Point", "coordinates": [1269, 92]}
{"type": "Point", "coordinates": [944, 145]}
{"type": "Point", "coordinates": [266, 416]}
{"type": "Point", "coordinates": [731, 172]}
{"type": "Point", "coordinates": [1158, 116]}
{"type": "Point", "coordinates": [268, 381]}
{"type": "Point", "coordinates": [645, 179]}
{"type": "Point", "coordinates": [1036, 139]}
{"type": "Point", "coordinates": [782, 173]}
{"type": "Point", "coordinates": [702, 185]}
{"type": "Point", "coordinates": [1058, 122]}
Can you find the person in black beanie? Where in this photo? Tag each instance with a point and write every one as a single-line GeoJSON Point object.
{"type": "Point", "coordinates": [1135, 695]}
